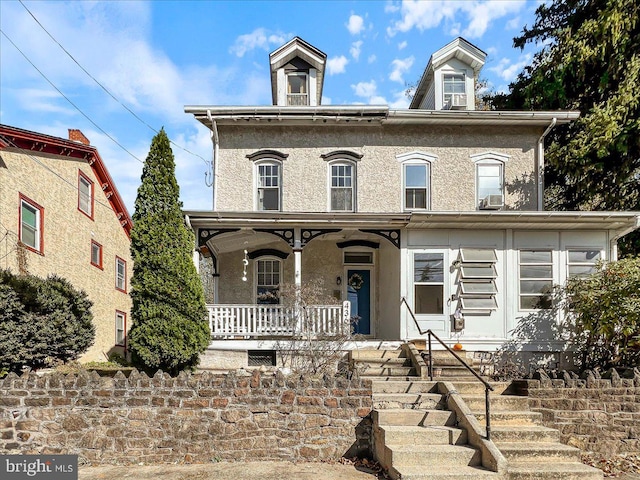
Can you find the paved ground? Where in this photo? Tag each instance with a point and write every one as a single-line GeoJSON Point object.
{"type": "Point", "coordinates": [229, 471]}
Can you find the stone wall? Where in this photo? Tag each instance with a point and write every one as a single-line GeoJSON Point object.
{"type": "Point", "coordinates": [593, 414]}
{"type": "Point", "coordinates": [192, 418]}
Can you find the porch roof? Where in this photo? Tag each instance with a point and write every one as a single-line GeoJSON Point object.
{"type": "Point", "coordinates": [620, 223]}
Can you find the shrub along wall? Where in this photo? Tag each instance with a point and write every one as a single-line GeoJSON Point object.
{"type": "Point", "coordinates": [591, 413]}
{"type": "Point", "coordinates": [191, 418]}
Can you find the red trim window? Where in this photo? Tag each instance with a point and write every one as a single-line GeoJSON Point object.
{"type": "Point", "coordinates": [85, 194]}
{"type": "Point", "coordinates": [96, 254]}
{"type": "Point", "coordinates": [121, 329]}
{"type": "Point", "coordinates": [31, 224]}
{"type": "Point", "coordinates": [121, 275]}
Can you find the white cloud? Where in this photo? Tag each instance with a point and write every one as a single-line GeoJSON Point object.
{"type": "Point", "coordinates": [377, 100]}
{"type": "Point", "coordinates": [356, 48]}
{"type": "Point", "coordinates": [477, 16]}
{"type": "Point", "coordinates": [401, 100]}
{"type": "Point", "coordinates": [391, 7]}
{"type": "Point", "coordinates": [507, 70]}
{"type": "Point", "coordinates": [355, 24]}
{"type": "Point", "coordinates": [372, 58]}
{"type": "Point", "coordinates": [402, 45]}
{"type": "Point", "coordinates": [365, 89]}
{"type": "Point", "coordinates": [337, 65]}
{"type": "Point", "coordinates": [513, 24]}
{"type": "Point", "coordinates": [259, 38]}
{"type": "Point", "coordinates": [400, 67]}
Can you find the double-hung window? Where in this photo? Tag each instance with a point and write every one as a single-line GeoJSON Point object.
{"type": "Point", "coordinates": [96, 254]}
{"type": "Point", "coordinates": [121, 328]}
{"type": "Point", "coordinates": [297, 89]}
{"type": "Point", "coordinates": [268, 177]}
{"type": "Point", "coordinates": [85, 194]}
{"type": "Point", "coordinates": [428, 283]}
{"type": "Point", "coordinates": [489, 180]}
{"type": "Point", "coordinates": [416, 180]}
{"type": "Point", "coordinates": [31, 224]}
{"type": "Point", "coordinates": [342, 186]}
{"type": "Point", "coordinates": [536, 279]}
{"type": "Point", "coordinates": [121, 275]}
{"type": "Point", "coordinates": [268, 273]}
{"type": "Point", "coordinates": [454, 90]}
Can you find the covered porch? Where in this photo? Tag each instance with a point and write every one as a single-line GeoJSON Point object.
{"type": "Point", "coordinates": [345, 266]}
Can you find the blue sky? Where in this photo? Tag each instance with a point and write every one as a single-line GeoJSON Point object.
{"type": "Point", "coordinates": [155, 57]}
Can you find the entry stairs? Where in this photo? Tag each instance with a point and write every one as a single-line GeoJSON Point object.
{"type": "Point", "coordinates": [416, 436]}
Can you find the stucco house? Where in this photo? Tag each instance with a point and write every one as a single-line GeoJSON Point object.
{"type": "Point", "coordinates": [58, 201]}
{"type": "Point", "coordinates": [435, 210]}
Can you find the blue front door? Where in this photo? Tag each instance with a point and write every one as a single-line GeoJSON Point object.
{"type": "Point", "coordinates": [359, 296]}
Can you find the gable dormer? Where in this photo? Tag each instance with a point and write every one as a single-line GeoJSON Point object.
{"type": "Point", "coordinates": [297, 74]}
{"type": "Point", "coordinates": [448, 82]}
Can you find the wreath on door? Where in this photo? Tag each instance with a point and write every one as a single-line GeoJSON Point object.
{"type": "Point", "coordinates": [355, 281]}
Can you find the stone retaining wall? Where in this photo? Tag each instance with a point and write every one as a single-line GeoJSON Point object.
{"type": "Point", "coordinates": [593, 414]}
{"type": "Point", "coordinates": [191, 418]}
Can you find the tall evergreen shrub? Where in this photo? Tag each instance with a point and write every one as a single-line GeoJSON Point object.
{"type": "Point", "coordinates": [169, 328]}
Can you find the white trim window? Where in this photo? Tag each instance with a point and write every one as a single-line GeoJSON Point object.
{"type": "Point", "coordinates": [268, 274]}
{"type": "Point", "coordinates": [535, 279]}
{"type": "Point", "coordinates": [297, 89]}
{"type": "Point", "coordinates": [85, 195]}
{"type": "Point", "coordinates": [428, 283]}
{"type": "Point", "coordinates": [342, 175]}
{"type": "Point", "coordinates": [121, 328]}
{"type": "Point", "coordinates": [416, 180]}
{"type": "Point", "coordinates": [454, 90]}
{"type": "Point", "coordinates": [121, 275]}
{"type": "Point", "coordinates": [490, 180]}
{"type": "Point", "coordinates": [582, 262]}
{"type": "Point", "coordinates": [31, 219]}
{"type": "Point", "coordinates": [268, 185]}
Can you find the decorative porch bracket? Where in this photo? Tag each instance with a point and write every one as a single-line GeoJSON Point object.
{"type": "Point", "coordinates": [392, 235]}
{"type": "Point", "coordinates": [204, 234]}
{"type": "Point", "coordinates": [285, 234]}
{"type": "Point", "coordinates": [309, 234]}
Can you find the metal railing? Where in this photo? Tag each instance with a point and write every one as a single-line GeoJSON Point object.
{"type": "Point", "coordinates": [487, 386]}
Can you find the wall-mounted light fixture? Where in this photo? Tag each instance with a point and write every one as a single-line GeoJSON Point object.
{"type": "Point", "coordinates": [338, 280]}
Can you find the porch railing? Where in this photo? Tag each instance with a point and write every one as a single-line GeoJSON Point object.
{"type": "Point", "coordinates": [248, 321]}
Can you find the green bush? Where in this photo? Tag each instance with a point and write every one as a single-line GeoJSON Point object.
{"type": "Point", "coordinates": [604, 312]}
{"type": "Point", "coordinates": [43, 322]}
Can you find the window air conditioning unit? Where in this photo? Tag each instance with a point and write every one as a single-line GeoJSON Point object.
{"type": "Point", "coordinates": [492, 202]}
{"type": "Point", "coordinates": [458, 101]}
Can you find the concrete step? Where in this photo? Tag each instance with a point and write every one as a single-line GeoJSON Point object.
{"type": "Point", "coordinates": [391, 385]}
{"type": "Point", "coordinates": [383, 362]}
{"type": "Point", "coordinates": [425, 472]}
{"type": "Point", "coordinates": [407, 400]}
{"type": "Point", "coordinates": [433, 456]}
{"type": "Point", "coordinates": [473, 386]}
{"type": "Point", "coordinates": [498, 402]}
{"type": "Point", "coordinates": [524, 433]}
{"type": "Point", "coordinates": [552, 470]}
{"type": "Point", "coordinates": [510, 418]}
{"type": "Point", "coordinates": [388, 372]}
{"type": "Point", "coordinates": [538, 452]}
{"type": "Point", "coordinates": [413, 417]}
{"type": "Point", "coordinates": [414, 435]}
{"type": "Point", "coordinates": [368, 354]}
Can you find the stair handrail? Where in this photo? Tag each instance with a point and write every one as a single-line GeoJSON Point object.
{"type": "Point", "coordinates": [487, 386]}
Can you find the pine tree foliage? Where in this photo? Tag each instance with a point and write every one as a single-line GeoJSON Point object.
{"type": "Point", "coordinates": [591, 63]}
{"type": "Point", "coordinates": [169, 328]}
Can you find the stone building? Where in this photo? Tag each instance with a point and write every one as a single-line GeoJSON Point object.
{"type": "Point", "coordinates": [423, 218]}
{"type": "Point", "coordinates": [60, 213]}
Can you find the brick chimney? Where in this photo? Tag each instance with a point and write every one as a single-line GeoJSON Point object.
{"type": "Point", "coordinates": [78, 136]}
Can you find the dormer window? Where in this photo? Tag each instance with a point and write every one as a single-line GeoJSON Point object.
{"type": "Point", "coordinates": [454, 90]}
{"type": "Point", "coordinates": [297, 89]}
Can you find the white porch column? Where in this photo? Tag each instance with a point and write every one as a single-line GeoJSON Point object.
{"type": "Point", "coordinates": [297, 256]}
